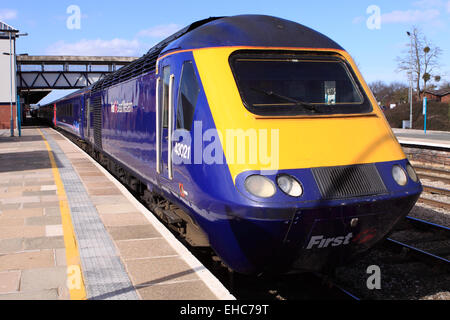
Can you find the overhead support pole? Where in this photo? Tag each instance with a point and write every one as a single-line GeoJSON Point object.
{"type": "Point", "coordinates": [11, 86]}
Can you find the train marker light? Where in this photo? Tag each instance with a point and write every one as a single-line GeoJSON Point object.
{"type": "Point", "coordinates": [399, 175]}
{"type": "Point", "coordinates": [411, 172]}
{"type": "Point", "coordinates": [260, 186]}
{"type": "Point", "coordinates": [289, 185]}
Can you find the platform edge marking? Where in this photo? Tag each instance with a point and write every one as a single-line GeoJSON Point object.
{"type": "Point", "coordinates": [77, 292]}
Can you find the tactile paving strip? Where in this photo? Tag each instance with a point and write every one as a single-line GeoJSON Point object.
{"type": "Point", "coordinates": [104, 274]}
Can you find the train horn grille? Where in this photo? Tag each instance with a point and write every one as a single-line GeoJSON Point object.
{"type": "Point", "coordinates": [349, 181]}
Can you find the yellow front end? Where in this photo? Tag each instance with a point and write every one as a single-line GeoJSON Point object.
{"type": "Point", "coordinates": [293, 142]}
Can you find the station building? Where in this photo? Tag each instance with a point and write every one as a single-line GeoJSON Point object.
{"type": "Point", "coordinates": [8, 91]}
{"type": "Point", "coordinates": [437, 95]}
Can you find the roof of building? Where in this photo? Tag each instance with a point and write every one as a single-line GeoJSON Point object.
{"type": "Point", "coordinates": [6, 30]}
{"type": "Point", "coordinates": [439, 93]}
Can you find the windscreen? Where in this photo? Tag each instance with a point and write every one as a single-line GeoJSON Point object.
{"type": "Point", "coordinates": [289, 84]}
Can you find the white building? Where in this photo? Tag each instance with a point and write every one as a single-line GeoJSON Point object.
{"type": "Point", "coordinates": [8, 92]}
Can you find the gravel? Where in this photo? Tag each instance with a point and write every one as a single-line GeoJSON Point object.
{"type": "Point", "coordinates": [399, 281]}
{"type": "Point", "coordinates": [403, 278]}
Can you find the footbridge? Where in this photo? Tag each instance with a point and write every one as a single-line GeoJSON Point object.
{"type": "Point", "coordinates": [39, 75]}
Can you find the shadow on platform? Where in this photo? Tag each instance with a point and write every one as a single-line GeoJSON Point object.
{"type": "Point", "coordinates": [24, 161]}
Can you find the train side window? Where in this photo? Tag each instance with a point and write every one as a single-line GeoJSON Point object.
{"type": "Point", "coordinates": [165, 102]}
{"type": "Point", "coordinates": [189, 90]}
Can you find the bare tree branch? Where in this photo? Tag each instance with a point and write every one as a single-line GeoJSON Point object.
{"type": "Point", "coordinates": [421, 60]}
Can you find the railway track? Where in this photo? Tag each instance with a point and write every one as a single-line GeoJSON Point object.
{"type": "Point", "coordinates": [435, 203]}
{"type": "Point", "coordinates": [435, 190]}
{"type": "Point", "coordinates": [429, 242]}
{"type": "Point", "coordinates": [414, 263]}
{"type": "Point", "coordinates": [431, 174]}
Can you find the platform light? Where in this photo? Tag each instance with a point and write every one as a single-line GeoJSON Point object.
{"type": "Point", "coordinates": [290, 185]}
{"type": "Point", "coordinates": [260, 186]}
{"type": "Point", "coordinates": [412, 173]}
{"type": "Point", "coordinates": [399, 175]}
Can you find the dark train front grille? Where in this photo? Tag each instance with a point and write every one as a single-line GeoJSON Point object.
{"type": "Point", "coordinates": [349, 181]}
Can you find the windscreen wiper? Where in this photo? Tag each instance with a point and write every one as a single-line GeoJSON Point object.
{"type": "Point", "coordinates": [306, 105]}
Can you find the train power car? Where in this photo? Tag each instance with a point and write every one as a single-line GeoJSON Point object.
{"type": "Point", "coordinates": [252, 135]}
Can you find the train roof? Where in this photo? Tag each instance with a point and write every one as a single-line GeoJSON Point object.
{"type": "Point", "coordinates": [241, 30]}
{"type": "Point", "coordinates": [252, 30]}
{"type": "Point", "coordinates": [69, 96]}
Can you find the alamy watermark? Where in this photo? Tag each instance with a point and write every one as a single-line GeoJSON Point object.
{"type": "Point", "coordinates": [241, 146]}
{"type": "Point", "coordinates": [374, 20]}
{"type": "Point", "coordinates": [374, 280]}
{"type": "Point", "coordinates": [74, 278]}
{"type": "Point", "coordinates": [73, 22]}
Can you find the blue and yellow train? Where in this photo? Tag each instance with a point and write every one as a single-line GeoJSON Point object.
{"type": "Point", "coordinates": [255, 136]}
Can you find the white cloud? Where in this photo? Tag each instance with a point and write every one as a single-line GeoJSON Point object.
{"type": "Point", "coordinates": [442, 5]}
{"type": "Point", "coordinates": [160, 31]}
{"type": "Point", "coordinates": [114, 47]}
{"type": "Point", "coordinates": [7, 14]}
{"type": "Point", "coordinates": [98, 47]}
{"type": "Point", "coordinates": [428, 3]}
{"type": "Point", "coordinates": [410, 16]}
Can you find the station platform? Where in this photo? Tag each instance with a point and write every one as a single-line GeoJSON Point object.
{"type": "Point", "coordinates": [69, 230]}
{"type": "Point", "coordinates": [440, 139]}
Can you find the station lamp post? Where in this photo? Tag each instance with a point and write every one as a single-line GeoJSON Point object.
{"type": "Point", "coordinates": [410, 80]}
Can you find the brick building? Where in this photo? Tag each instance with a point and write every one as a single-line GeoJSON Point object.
{"type": "Point", "coordinates": [8, 91]}
{"type": "Point", "coordinates": [437, 95]}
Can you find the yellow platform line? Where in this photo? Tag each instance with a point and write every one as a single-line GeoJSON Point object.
{"type": "Point", "coordinates": [75, 282]}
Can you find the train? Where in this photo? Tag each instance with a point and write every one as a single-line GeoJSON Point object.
{"type": "Point", "coordinates": [254, 136]}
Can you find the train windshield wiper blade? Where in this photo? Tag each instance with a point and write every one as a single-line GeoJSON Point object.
{"type": "Point", "coordinates": [306, 105]}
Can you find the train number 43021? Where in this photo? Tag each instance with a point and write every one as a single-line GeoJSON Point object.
{"type": "Point", "coordinates": [182, 150]}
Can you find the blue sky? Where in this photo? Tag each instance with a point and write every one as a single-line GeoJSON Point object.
{"type": "Point", "coordinates": [131, 27]}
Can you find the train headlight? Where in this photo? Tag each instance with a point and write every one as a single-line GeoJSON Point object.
{"type": "Point", "coordinates": [412, 173]}
{"type": "Point", "coordinates": [290, 185]}
{"type": "Point", "coordinates": [260, 186]}
{"type": "Point", "coordinates": [399, 175]}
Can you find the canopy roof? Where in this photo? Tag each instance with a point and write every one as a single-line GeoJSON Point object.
{"type": "Point", "coordinates": [6, 30]}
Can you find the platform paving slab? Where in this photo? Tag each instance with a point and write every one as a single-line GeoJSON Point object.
{"type": "Point", "coordinates": [43, 279]}
{"type": "Point", "coordinates": [193, 290]}
{"type": "Point", "coordinates": [145, 248]}
{"type": "Point", "coordinates": [48, 294]}
{"type": "Point", "coordinates": [30, 241]}
{"type": "Point", "coordinates": [9, 281]}
{"type": "Point", "coordinates": [27, 260]}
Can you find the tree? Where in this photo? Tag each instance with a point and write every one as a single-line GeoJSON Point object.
{"type": "Point", "coordinates": [445, 85]}
{"type": "Point", "coordinates": [386, 94]}
{"type": "Point", "coordinates": [421, 59]}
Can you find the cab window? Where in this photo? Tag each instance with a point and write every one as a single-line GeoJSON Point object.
{"type": "Point", "coordinates": [165, 96]}
{"type": "Point", "coordinates": [189, 90]}
{"type": "Point", "coordinates": [296, 84]}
